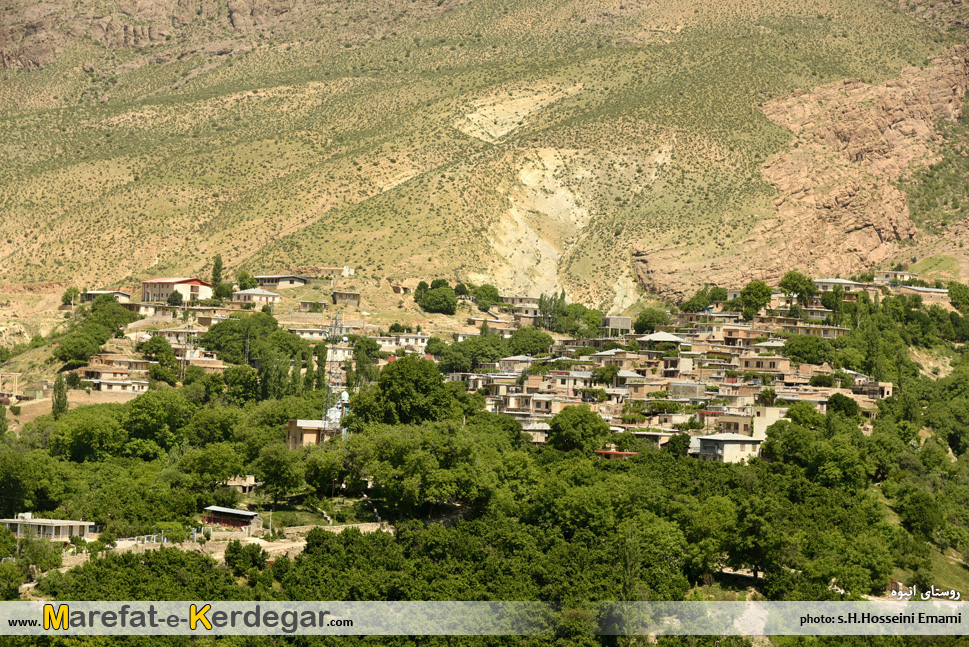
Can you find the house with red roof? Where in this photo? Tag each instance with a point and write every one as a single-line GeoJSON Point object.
{"type": "Point", "coordinates": [191, 289]}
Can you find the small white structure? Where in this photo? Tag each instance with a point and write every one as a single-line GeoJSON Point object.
{"type": "Point", "coordinates": [662, 337]}
{"type": "Point", "coordinates": [281, 281]}
{"type": "Point", "coordinates": [53, 529]}
{"type": "Point", "coordinates": [729, 448]}
{"type": "Point", "coordinates": [256, 296]}
{"type": "Point", "coordinates": [120, 297]}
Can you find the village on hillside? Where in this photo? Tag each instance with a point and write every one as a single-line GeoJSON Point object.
{"type": "Point", "coordinates": [291, 394]}
{"type": "Point", "coordinates": [712, 374]}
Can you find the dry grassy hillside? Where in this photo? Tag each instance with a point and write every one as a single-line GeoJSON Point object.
{"type": "Point", "coordinates": [593, 146]}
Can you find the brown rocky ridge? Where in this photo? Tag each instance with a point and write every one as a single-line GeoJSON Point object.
{"type": "Point", "coordinates": [838, 208]}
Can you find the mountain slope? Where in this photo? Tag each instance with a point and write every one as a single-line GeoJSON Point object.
{"type": "Point", "coordinates": [596, 147]}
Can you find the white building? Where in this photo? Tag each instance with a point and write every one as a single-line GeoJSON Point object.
{"type": "Point", "coordinates": [729, 448]}
{"type": "Point", "coordinates": [255, 296]}
{"type": "Point", "coordinates": [191, 289]}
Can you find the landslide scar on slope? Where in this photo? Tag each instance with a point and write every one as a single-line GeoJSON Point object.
{"type": "Point", "coordinates": [491, 118]}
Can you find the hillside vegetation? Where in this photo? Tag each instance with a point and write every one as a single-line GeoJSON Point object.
{"type": "Point", "coordinates": [537, 145]}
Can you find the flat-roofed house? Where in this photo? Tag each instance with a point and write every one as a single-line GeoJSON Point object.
{"type": "Point", "coordinates": [519, 300]}
{"type": "Point", "coordinates": [191, 289]}
{"type": "Point", "coordinates": [616, 326]}
{"type": "Point", "coordinates": [927, 294]}
{"type": "Point", "coordinates": [300, 433]}
{"type": "Point", "coordinates": [281, 281]}
{"type": "Point", "coordinates": [118, 360]}
{"type": "Point", "coordinates": [765, 363]}
{"type": "Point", "coordinates": [104, 373]}
{"type": "Point", "coordinates": [311, 306]}
{"type": "Point", "coordinates": [119, 296]}
{"type": "Point", "coordinates": [343, 298]}
{"type": "Point", "coordinates": [53, 529]}
{"type": "Point", "coordinates": [729, 448]}
{"type": "Point", "coordinates": [255, 296]}
{"type": "Point", "coordinates": [886, 277]}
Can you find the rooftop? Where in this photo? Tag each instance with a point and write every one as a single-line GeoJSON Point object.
{"type": "Point", "coordinates": [729, 437]}
{"type": "Point", "coordinates": [257, 291]}
{"type": "Point", "coordinates": [45, 522]}
{"type": "Point", "coordinates": [241, 513]}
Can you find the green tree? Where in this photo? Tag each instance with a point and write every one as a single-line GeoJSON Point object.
{"type": "Point", "coordinates": [435, 346]}
{"type": "Point", "coordinates": [420, 291]}
{"type": "Point", "coordinates": [959, 296]}
{"type": "Point", "coordinates": [605, 374]}
{"type": "Point", "coordinates": [212, 465]}
{"type": "Point", "coordinates": [757, 543]}
{"type": "Point", "coordinates": [158, 417]}
{"type": "Point", "coordinates": [577, 428]}
{"type": "Point", "coordinates": [699, 301]}
{"type": "Point", "coordinates": [242, 384]}
{"type": "Point", "coordinates": [217, 269]}
{"type": "Point", "coordinates": [159, 373]}
{"type": "Point", "coordinates": [678, 444]}
{"type": "Point", "coordinates": [755, 296]}
{"type": "Point", "coordinates": [411, 390]}
{"type": "Point", "coordinates": [647, 320]}
{"type": "Point", "coordinates": [11, 577]}
{"type": "Point", "coordinates": [59, 400]}
{"type": "Point", "coordinates": [718, 294]}
{"type": "Point", "coordinates": [920, 513]}
{"type": "Point", "coordinates": [529, 340]}
{"type": "Point", "coordinates": [309, 375]}
{"type": "Point", "coordinates": [271, 375]}
{"type": "Point", "coordinates": [175, 298]}
{"type": "Point", "coordinates": [768, 396]}
{"type": "Point", "coordinates": [70, 296]}
{"type": "Point", "coordinates": [280, 469]}
{"type": "Point", "coordinates": [246, 280]}
{"type": "Point", "coordinates": [321, 352]}
{"type": "Point", "coordinates": [77, 346]}
{"type": "Point", "coordinates": [834, 301]}
{"type": "Point", "coordinates": [486, 295]}
{"type": "Point", "coordinates": [442, 300]}
{"type": "Point", "coordinates": [839, 403]}
{"type": "Point", "coordinates": [798, 286]}
{"type": "Point", "coordinates": [808, 349]}
{"type": "Point", "coordinates": [160, 350]}
{"type": "Point", "coordinates": [222, 291]}
{"type": "Point", "coordinates": [88, 434]}
{"type": "Point", "coordinates": [241, 559]}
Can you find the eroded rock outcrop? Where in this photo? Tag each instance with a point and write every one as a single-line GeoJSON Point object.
{"type": "Point", "coordinates": [839, 209]}
{"type": "Point", "coordinates": [32, 35]}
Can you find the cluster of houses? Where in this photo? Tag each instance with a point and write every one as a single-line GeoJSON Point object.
{"type": "Point", "coordinates": [155, 293]}
{"type": "Point", "coordinates": [704, 374]}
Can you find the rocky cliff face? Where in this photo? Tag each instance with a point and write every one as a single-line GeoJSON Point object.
{"type": "Point", "coordinates": [32, 34]}
{"type": "Point", "coordinates": [838, 208]}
